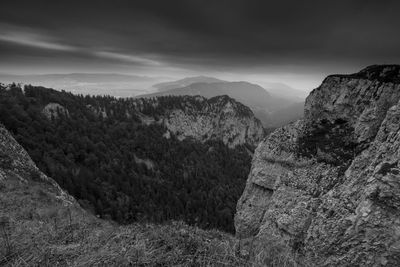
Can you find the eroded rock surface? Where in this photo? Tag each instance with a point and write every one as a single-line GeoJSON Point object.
{"type": "Point", "coordinates": [218, 118]}
{"type": "Point", "coordinates": [54, 110]}
{"type": "Point", "coordinates": [327, 188]}
{"type": "Point", "coordinates": [17, 166]}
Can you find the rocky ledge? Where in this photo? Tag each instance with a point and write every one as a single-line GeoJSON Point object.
{"type": "Point", "coordinates": [54, 110]}
{"type": "Point", "coordinates": [326, 189]}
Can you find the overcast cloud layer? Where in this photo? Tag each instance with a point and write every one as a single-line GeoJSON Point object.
{"type": "Point", "coordinates": [297, 42]}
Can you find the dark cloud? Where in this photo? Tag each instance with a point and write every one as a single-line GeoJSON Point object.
{"type": "Point", "coordinates": [229, 35]}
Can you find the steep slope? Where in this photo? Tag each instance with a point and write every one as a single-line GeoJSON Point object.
{"type": "Point", "coordinates": [41, 225]}
{"type": "Point", "coordinates": [262, 103]}
{"type": "Point", "coordinates": [218, 118]}
{"type": "Point", "coordinates": [325, 190]}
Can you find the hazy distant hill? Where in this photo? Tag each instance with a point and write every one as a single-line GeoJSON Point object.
{"type": "Point", "coordinates": [285, 91]}
{"type": "Point", "coordinates": [287, 114]}
{"type": "Point", "coordinates": [161, 87]}
{"type": "Point", "coordinates": [119, 85]}
{"type": "Point", "coordinates": [247, 93]}
{"type": "Point", "coordinates": [262, 103]}
{"type": "Point", "coordinates": [81, 77]}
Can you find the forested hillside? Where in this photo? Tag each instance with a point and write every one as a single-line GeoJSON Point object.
{"type": "Point", "coordinates": [42, 225]}
{"type": "Point", "coordinates": [101, 152]}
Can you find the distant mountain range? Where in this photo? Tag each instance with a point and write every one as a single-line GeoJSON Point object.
{"type": "Point", "coordinates": [275, 106]}
{"type": "Point", "coordinates": [285, 91]}
{"type": "Point", "coordinates": [82, 77]}
{"type": "Point", "coordinates": [119, 85]}
{"type": "Point", "coordinates": [166, 86]}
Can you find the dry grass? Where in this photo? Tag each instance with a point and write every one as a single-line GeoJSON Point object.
{"type": "Point", "coordinates": [44, 231]}
{"type": "Point", "coordinates": [276, 253]}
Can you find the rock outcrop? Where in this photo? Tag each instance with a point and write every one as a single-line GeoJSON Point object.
{"type": "Point", "coordinates": [16, 166]}
{"type": "Point", "coordinates": [218, 118]}
{"type": "Point", "coordinates": [54, 110]}
{"type": "Point", "coordinates": [327, 188]}
{"type": "Point", "coordinates": [97, 111]}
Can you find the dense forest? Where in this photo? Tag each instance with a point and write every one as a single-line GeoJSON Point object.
{"type": "Point", "coordinates": [119, 167]}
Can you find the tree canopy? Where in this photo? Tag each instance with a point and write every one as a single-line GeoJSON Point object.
{"type": "Point", "coordinates": [120, 168]}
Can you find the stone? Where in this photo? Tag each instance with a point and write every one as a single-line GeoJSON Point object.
{"type": "Point", "coordinates": [54, 110]}
{"type": "Point", "coordinates": [328, 186]}
{"type": "Point", "coordinates": [218, 118]}
{"type": "Point", "coordinates": [21, 166]}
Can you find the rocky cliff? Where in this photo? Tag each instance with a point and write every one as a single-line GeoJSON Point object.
{"type": "Point", "coordinates": [326, 189]}
{"type": "Point", "coordinates": [16, 167]}
{"type": "Point", "coordinates": [218, 118]}
{"type": "Point", "coordinates": [54, 110]}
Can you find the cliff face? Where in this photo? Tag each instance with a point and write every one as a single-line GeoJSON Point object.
{"type": "Point", "coordinates": [36, 215]}
{"type": "Point", "coordinates": [53, 110]}
{"type": "Point", "coordinates": [218, 118]}
{"type": "Point", "coordinates": [327, 188]}
{"type": "Point", "coordinates": [16, 167]}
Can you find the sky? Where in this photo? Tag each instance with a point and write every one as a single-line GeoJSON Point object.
{"type": "Point", "coordinates": [294, 42]}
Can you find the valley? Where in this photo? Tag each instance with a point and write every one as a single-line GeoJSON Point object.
{"type": "Point", "coordinates": [160, 180]}
{"type": "Point", "coordinates": [138, 159]}
{"type": "Point", "coordinates": [187, 133]}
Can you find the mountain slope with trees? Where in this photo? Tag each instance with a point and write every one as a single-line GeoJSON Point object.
{"type": "Point", "coordinates": [121, 168]}
{"type": "Point", "coordinates": [41, 225]}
